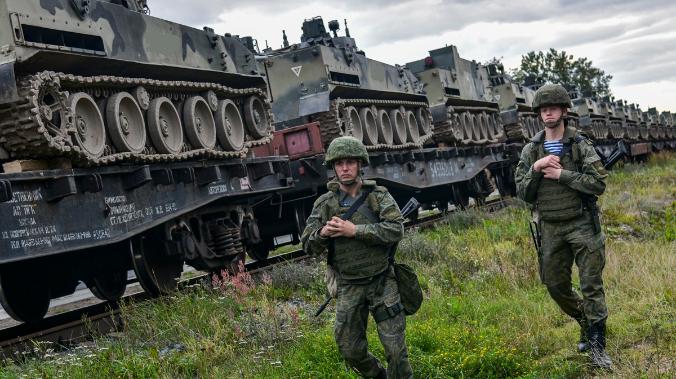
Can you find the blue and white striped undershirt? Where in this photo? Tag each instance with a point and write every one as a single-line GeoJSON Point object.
{"type": "Point", "coordinates": [554, 147]}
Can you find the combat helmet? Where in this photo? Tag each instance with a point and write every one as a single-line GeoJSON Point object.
{"type": "Point", "coordinates": [551, 94]}
{"type": "Point", "coordinates": [346, 147]}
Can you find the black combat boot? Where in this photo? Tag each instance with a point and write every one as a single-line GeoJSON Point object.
{"type": "Point", "coordinates": [382, 374]}
{"type": "Point", "coordinates": [597, 346]}
{"type": "Point", "coordinates": [583, 344]}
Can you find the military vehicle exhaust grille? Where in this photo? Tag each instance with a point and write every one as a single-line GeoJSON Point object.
{"type": "Point", "coordinates": [58, 39]}
{"type": "Point", "coordinates": [451, 91]}
{"type": "Point", "coordinates": [341, 78]}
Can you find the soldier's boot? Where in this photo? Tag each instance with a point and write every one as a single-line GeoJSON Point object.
{"type": "Point", "coordinates": [597, 346]}
{"type": "Point", "coordinates": [583, 343]}
{"type": "Point", "coordinates": [382, 374]}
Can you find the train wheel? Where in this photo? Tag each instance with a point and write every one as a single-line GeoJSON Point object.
{"type": "Point", "coordinates": [256, 117]}
{"type": "Point", "coordinates": [412, 129]}
{"type": "Point", "coordinates": [385, 133]}
{"type": "Point", "coordinates": [109, 286]}
{"type": "Point", "coordinates": [125, 123]}
{"type": "Point", "coordinates": [259, 251]}
{"type": "Point", "coordinates": [399, 126]}
{"type": "Point", "coordinates": [90, 132]}
{"type": "Point", "coordinates": [369, 126]}
{"type": "Point", "coordinates": [164, 126]}
{"type": "Point", "coordinates": [156, 271]}
{"type": "Point", "coordinates": [25, 296]}
{"type": "Point", "coordinates": [229, 126]}
{"type": "Point", "coordinates": [200, 126]}
{"type": "Point", "coordinates": [354, 127]}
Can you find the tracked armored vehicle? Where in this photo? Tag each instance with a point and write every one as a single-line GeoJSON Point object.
{"type": "Point", "coordinates": [101, 82]}
{"type": "Point", "coordinates": [463, 110]}
{"type": "Point", "coordinates": [326, 78]}
{"type": "Point", "coordinates": [152, 122]}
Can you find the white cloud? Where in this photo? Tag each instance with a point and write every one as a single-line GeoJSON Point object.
{"type": "Point", "coordinates": [633, 41]}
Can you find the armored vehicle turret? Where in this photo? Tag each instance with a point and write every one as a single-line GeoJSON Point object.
{"type": "Point", "coordinates": [463, 110]}
{"type": "Point", "coordinates": [103, 82]}
{"type": "Point", "coordinates": [326, 78]}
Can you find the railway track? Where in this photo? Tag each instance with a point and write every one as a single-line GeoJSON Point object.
{"type": "Point", "coordinates": [79, 325]}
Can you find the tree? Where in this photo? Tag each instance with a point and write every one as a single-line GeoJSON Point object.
{"type": "Point", "coordinates": [562, 68]}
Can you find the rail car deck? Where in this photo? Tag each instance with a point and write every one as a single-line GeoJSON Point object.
{"type": "Point", "coordinates": [55, 211]}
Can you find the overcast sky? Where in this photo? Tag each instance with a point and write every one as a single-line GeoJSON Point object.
{"type": "Point", "coordinates": [635, 41]}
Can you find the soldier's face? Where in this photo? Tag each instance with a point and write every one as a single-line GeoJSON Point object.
{"type": "Point", "coordinates": [552, 115]}
{"type": "Point", "coordinates": [347, 170]}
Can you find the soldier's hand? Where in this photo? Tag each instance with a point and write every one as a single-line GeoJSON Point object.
{"type": "Point", "coordinates": [552, 173]}
{"type": "Point", "coordinates": [338, 227]}
{"type": "Point", "coordinates": [552, 161]}
{"type": "Point", "coordinates": [324, 231]}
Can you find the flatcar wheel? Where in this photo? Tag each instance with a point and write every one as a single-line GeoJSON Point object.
{"type": "Point", "coordinates": [369, 126]}
{"type": "Point", "coordinates": [164, 126]}
{"type": "Point", "coordinates": [256, 117]}
{"type": "Point", "coordinates": [156, 271]}
{"type": "Point", "coordinates": [354, 127]}
{"type": "Point", "coordinates": [385, 133]}
{"type": "Point", "coordinates": [24, 296]}
{"type": "Point", "coordinates": [260, 251]}
{"type": "Point", "coordinates": [109, 286]}
{"type": "Point", "coordinates": [90, 132]}
{"type": "Point", "coordinates": [125, 123]}
{"type": "Point", "coordinates": [200, 126]}
{"type": "Point", "coordinates": [412, 128]}
{"type": "Point", "coordinates": [399, 126]}
{"type": "Point", "coordinates": [229, 126]}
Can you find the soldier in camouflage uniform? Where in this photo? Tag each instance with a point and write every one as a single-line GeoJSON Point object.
{"type": "Point", "coordinates": [561, 175]}
{"type": "Point", "coordinates": [359, 250]}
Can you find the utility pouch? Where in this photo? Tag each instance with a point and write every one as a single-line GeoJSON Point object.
{"type": "Point", "coordinates": [410, 291]}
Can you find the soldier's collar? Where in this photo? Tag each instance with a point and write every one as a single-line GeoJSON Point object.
{"type": "Point", "coordinates": [568, 134]}
{"type": "Point", "coordinates": [334, 186]}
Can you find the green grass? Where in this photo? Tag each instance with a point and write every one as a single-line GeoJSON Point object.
{"type": "Point", "coordinates": [485, 315]}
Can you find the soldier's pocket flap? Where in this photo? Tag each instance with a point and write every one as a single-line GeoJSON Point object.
{"type": "Point", "coordinates": [596, 242]}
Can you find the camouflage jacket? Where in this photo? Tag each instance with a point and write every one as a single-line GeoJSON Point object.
{"type": "Point", "coordinates": [589, 179]}
{"type": "Point", "coordinates": [366, 254]}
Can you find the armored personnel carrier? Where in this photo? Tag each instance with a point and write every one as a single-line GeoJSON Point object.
{"type": "Point", "coordinates": [327, 79]}
{"type": "Point", "coordinates": [101, 82]}
{"type": "Point", "coordinates": [515, 103]}
{"type": "Point", "coordinates": [153, 121]}
{"type": "Point", "coordinates": [463, 110]}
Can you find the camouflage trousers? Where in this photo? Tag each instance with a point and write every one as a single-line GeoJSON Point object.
{"type": "Point", "coordinates": [381, 299]}
{"type": "Point", "coordinates": [574, 241]}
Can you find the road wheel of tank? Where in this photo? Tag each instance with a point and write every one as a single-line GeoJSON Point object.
{"type": "Point", "coordinates": [229, 126]}
{"type": "Point", "coordinates": [477, 129]}
{"type": "Point", "coordinates": [109, 286]}
{"type": "Point", "coordinates": [424, 121]}
{"type": "Point", "coordinates": [496, 127]}
{"type": "Point", "coordinates": [385, 133]}
{"type": "Point", "coordinates": [353, 123]}
{"type": "Point", "coordinates": [90, 131]}
{"type": "Point", "coordinates": [164, 126]}
{"type": "Point", "coordinates": [212, 100]}
{"type": "Point", "coordinates": [200, 126]}
{"type": "Point", "coordinates": [24, 296]}
{"type": "Point", "coordinates": [369, 126]}
{"type": "Point", "coordinates": [398, 126]}
{"type": "Point", "coordinates": [482, 120]}
{"type": "Point", "coordinates": [256, 117]}
{"type": "Point", "coordinates": [156, 271]}
{"type": "Point", "coordinates": [466, 123]}
{"type": "Point", "coordinates": [125, 123]}
{"type": "Point", "coordinates": [412, 128]}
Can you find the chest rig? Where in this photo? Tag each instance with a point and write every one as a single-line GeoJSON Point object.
{"type": "Point", "coordinates": [357, 259]}
{"type": "Point", "coordinates": [558, 202]}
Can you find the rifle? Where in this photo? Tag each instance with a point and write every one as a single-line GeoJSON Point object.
{"type": "Point", "coordinates": [411, 206]}
{"type": "Point", "coordinates": [537, 241]}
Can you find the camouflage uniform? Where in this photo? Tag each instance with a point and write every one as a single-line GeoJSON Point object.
{"type": "Point", "coordinates": [567, 216]}
{"type": "Point", "coordinates": [573, 240]}
{"type": "Point", "coordinates": [366, 280]}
